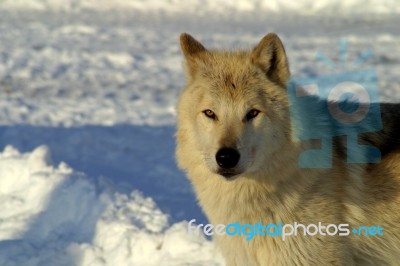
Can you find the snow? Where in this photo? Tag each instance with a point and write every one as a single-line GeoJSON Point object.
{"type": "Point", "coordinates": [220, 6]}
{"type": "Point", "coordinates": [53, 215]}
{"type": "Point", "coordinates": [87, 115]}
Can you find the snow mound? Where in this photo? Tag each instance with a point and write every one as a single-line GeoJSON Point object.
{"type": "Point", "coordinates": [53, 215]}
{"type": "Point", "coordinates": [216, 6]}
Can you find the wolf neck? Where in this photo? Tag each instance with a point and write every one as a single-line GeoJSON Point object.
{"type": "Point", "coordinates": [275, 192]}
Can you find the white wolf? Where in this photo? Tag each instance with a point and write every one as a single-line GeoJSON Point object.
{"type": "Point", "coordinates": [234, 140]}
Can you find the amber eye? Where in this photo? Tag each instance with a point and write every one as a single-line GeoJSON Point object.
{"type": "Point", "coordinates": [251, 114]}
{"type": "Point", "coordinates": [210, 114]}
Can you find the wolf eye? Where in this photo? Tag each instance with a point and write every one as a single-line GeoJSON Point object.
{"type": "Point", "coordinates": [210, 114]}
{"type": "Point", "coordinates": [251, 114]}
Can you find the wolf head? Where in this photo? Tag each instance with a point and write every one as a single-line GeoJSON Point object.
{"type": "Point", "coordinates": [232, 115]}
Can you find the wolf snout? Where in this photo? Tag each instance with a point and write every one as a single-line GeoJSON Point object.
{"type": "Point", "coordinates": [227, 158]}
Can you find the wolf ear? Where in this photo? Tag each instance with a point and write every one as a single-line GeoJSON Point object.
{"type": "Point", "coordinates": [193, 52]}
{"type": "Point", "coordinates": [190, 46]}
{"type": "Point", "coordinates": [270, 56]}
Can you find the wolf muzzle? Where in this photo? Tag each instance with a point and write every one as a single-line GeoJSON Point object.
{"type": "Point", "coordinates": [227, 158]}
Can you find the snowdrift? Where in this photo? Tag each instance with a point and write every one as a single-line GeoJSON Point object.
{"type": "Point", "coordinates": [53, 215]}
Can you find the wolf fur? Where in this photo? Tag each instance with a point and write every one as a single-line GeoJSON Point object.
{"type": "Point", "coordinates": [266, 184]}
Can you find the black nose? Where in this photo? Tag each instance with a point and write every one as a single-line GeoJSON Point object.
{"type": "Point", "coordinates": [227, 158]}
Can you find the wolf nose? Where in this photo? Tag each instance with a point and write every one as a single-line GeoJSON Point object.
{"type": "Point", "coordinates": [227, 158]}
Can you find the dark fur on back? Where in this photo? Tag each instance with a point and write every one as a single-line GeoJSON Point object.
{"type": "Point", "coordinates": [388, 139]}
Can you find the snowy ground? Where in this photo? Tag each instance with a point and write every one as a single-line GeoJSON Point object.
{"type": "Point", "coordinates": [98, 89]}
